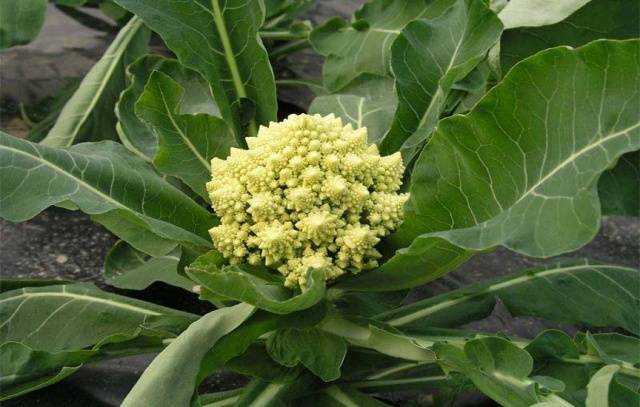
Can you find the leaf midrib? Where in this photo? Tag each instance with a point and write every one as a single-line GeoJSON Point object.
{"type": "Point", "coordinates": [406, 319]}
{"type": "Point", "coordinates": [186, 140]}
{"type": "Point", "coordinates": [85, 298]}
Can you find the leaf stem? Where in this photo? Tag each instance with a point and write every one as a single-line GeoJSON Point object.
{"type": "Point", "coordinates": [288, 48]}
{"type": "Point", "coordinates": [282, 35]}
{"type": "Point", "coordinates": [231, 60]}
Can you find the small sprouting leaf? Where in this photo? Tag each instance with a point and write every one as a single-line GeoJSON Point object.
{"type": "Point", "coordinates": [369, 101]}
{"type": "Point", "coordinates": [258, 289]}
{"type": "Point", "coordinates": [499, 369]}
{"type": "Point", "coordinates": [172, 377]}
{"type": "Point", "coordinates": [223, 45]}
{"type": "Point", "coordinates": [507, 174]}
{"type": "Point", "coordinates": [20, 21]}
{"type": "Point", "coordinates": [106, 181]}
{"type": "Point", "coordinates": [89, 114]}
{"type": "Point", "coordinates": [320, 352]}
{"type": "Point", "coordinates": [427, 59]}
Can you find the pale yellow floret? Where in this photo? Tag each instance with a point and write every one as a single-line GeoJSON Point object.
{"type": "Point", "coordinates": [308, 193]}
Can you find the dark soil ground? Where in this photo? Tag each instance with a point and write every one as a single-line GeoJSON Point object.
{"type": "Point", "coordinates": [60, 244]}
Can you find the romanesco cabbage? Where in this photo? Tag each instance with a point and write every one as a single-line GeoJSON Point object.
{"type": "Point", "coordinates": [308, 192]}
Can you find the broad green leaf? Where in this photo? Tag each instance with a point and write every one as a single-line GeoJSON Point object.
{"type": "Point", "coordinates": [186, 142]}
{"type": "Point", "coordinates": [104, 180]}
{"type": "Point", "coordinates": [499, 369]}
{"type": "Point", "coordinates": [576, 292]}
{"type": "Point", "coordinates": [364, 46]}
{"type": "Point", "coordinates": [369, 101]}
{"type": "Point", "coordinates": [343, 396]}
{"type": "Point", "coordinates": [23, 370]}
{"type": "Point", "coordinates": [427, 59]}
{"type": "Point", "coordinates": [604, 391]}
{"type": "Point", "coordinates": [507, 173]}
{"type": "Point", "coordinates": [171, 379]}
{"type": "Point", "coordinates": [89, 115]}
{"type": "Point", "coordinates": [72, 317]}
{"type": "Point", "coordinates": [128, 268]}
{"type": "Point", "coordinates": [20, 21]}
{"type": "Point", "coordinates": [619, 188]}
{"type": "Point", "coordinates": [235, 283]}
{"type": "Point", "coordinates": [219, 39]}
{"type": "Point", "coordinates": [320, 352]}
{"type": "Point", "coordinates": [612, 19]}
{"type": "Point", "coordinates": [535, 13]}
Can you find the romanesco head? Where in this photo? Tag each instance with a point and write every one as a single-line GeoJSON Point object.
{"type": "Point", "coordinates": [308, 192]}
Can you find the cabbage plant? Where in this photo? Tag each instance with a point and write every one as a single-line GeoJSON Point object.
{"type": "Point", "coordinates": [440, 130]}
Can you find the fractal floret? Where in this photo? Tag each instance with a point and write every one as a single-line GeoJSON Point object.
{"type": "Point", "coordinates": [307, 193]}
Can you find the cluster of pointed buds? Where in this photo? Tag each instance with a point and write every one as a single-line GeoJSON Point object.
{"type": "Point", "coordinates": [307, 193]}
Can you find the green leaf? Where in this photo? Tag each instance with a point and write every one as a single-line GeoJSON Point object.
{"type": "Point", "coordinates": [320, 352]}
{"type": "Point", "coordinates": [237, 342]}
{"type": "Point", "coordinates": [187, 142]}
{"type": "Point", "coordinates": [89, 115]}
{"type": "Point", "coordinates": [500, 370]}
{"type": "Point", "coordinates": [427, 259]}
{"type": "Point", "coordinates": [233, 282]}
{"type": "Point", "coordinates": [171, 379]}
{"type": "Point", "coordinates": [128, 268]}
{"type": "Point", "coordinates": [619, 188]}
{"type": "Point", "coordinates": [369, 101]}
{"type": "Point", "coordinates": [527, 13]}
{"type": "Point", "coordinates": [72, 317]}
{"type": "Point", "coordinates": [20, 21]}
{"type": "Point", "coordinates": [23, 370]}
{"type": "Point", "coordinates": [427, 59]}
{"type": "Point", "coordinates": [613, 19]}
{"type": "Point", "coordinates": [196, 98]}
{"type": "Point", "coordinates": [104, 180]}
{"type": "Point", "coordinates": [515, 179]}
{"type": "Point", "coordinates": [221, 43]}
{"type": "Point", "coordinates": [134, 133]}
{"type": "Point", "coordinates": [573, 361]}
{"type": "Point", "coordinates": [7, 284]}
{"type": "Point", "coordinates": [364, 46]}
{"type": "Point", "coordinates": [556, 292]}
{"type": "Point", "coordinates": [604, 391]}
